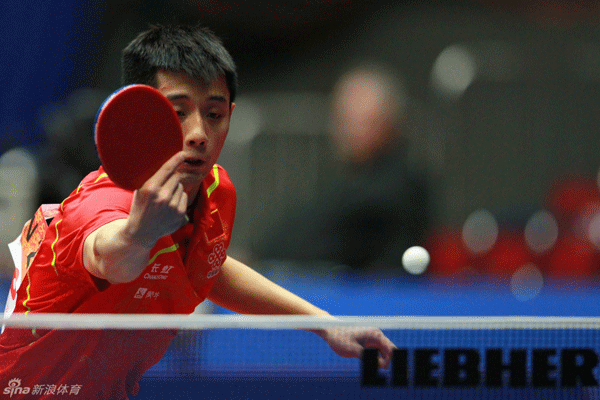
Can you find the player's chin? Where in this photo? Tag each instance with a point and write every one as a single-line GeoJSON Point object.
{"type": "Point", "coordinates": [191, 182]}
{"type": "Point", "coordinates": [191, 176]}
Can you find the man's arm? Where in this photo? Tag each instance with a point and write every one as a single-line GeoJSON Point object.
{"type": "Point", "coordinates": [119, 250]}
{"type": "Point", "coordinates": [110, 253]}
{"type": "Point", "coordinates": [241, 289]}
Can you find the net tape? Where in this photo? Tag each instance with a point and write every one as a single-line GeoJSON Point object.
{"type": "Point", "coordinates": [211, 321]}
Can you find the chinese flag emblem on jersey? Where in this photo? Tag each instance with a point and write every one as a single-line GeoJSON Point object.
{"type": "Point", "coordinates": [216, 228]}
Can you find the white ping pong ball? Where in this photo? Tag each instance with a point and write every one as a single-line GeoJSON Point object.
{"type": "Point", "coordinates": [415, 260]}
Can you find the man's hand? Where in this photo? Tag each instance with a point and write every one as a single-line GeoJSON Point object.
{"type": "Point", "coordinates": [159, 206]}
{"type": "Point", "coordinates": [350, 342]}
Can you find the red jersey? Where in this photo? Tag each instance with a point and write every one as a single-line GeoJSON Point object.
{"type": "Point", "coordinates": [106, 364]}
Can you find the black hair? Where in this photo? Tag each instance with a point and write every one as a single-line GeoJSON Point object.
{"type": "Point", "coordinates": [195, 50]}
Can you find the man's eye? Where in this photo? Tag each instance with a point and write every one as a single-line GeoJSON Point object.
{"type": "Point", "coordinates": [214, 115]}
{"type": "Point", "coordinates": [180, 113]}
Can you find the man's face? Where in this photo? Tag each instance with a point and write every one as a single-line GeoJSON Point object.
{"type": "Point", "coordinates": [361, 119]}
{"type": "Point", "coordinates": [204, 112]}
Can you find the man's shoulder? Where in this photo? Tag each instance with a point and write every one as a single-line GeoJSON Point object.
{"type": "Point", "coordinates": [220, 192]}
{"type": "Point", "coordinates": [218, 180]}
{"type": "Point", "coordinates": [96, 194]}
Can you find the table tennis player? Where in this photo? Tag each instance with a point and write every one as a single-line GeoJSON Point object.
{"type": "Point", "coordinates": [158, 249]}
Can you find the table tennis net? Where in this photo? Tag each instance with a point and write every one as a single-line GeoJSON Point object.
{"type": "Point", "coordinates": [274, 357]}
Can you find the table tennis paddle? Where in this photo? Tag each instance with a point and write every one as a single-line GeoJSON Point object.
{"type": "Point", "coordinates": [136, 131]}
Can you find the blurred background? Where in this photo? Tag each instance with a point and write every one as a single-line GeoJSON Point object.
{"type": "Point", "coordinates": [496, 105]}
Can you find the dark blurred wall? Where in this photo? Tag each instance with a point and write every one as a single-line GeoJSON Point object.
{"type": "Point", "coordinates": [47, 51]}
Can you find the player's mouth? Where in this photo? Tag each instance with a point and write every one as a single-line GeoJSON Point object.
{"type": "Point", "coordinates": [194, 162]}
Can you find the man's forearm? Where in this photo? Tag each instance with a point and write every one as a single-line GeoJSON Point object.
{"type": "Point", "coordinates": [241, 289]}
{"type": "Point", "coordinates": [109, 253]}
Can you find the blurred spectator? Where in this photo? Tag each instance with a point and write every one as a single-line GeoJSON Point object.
{"type": "Point", "coordinates": [375, 203]}
{"type": "Point", "coordinates": [19, 177]}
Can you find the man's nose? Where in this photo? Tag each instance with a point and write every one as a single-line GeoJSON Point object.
{"type": "Point", "coordinates": [196, 134]}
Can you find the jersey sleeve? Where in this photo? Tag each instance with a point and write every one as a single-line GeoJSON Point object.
{"type": "Point", "coordinates": [95, 203]}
